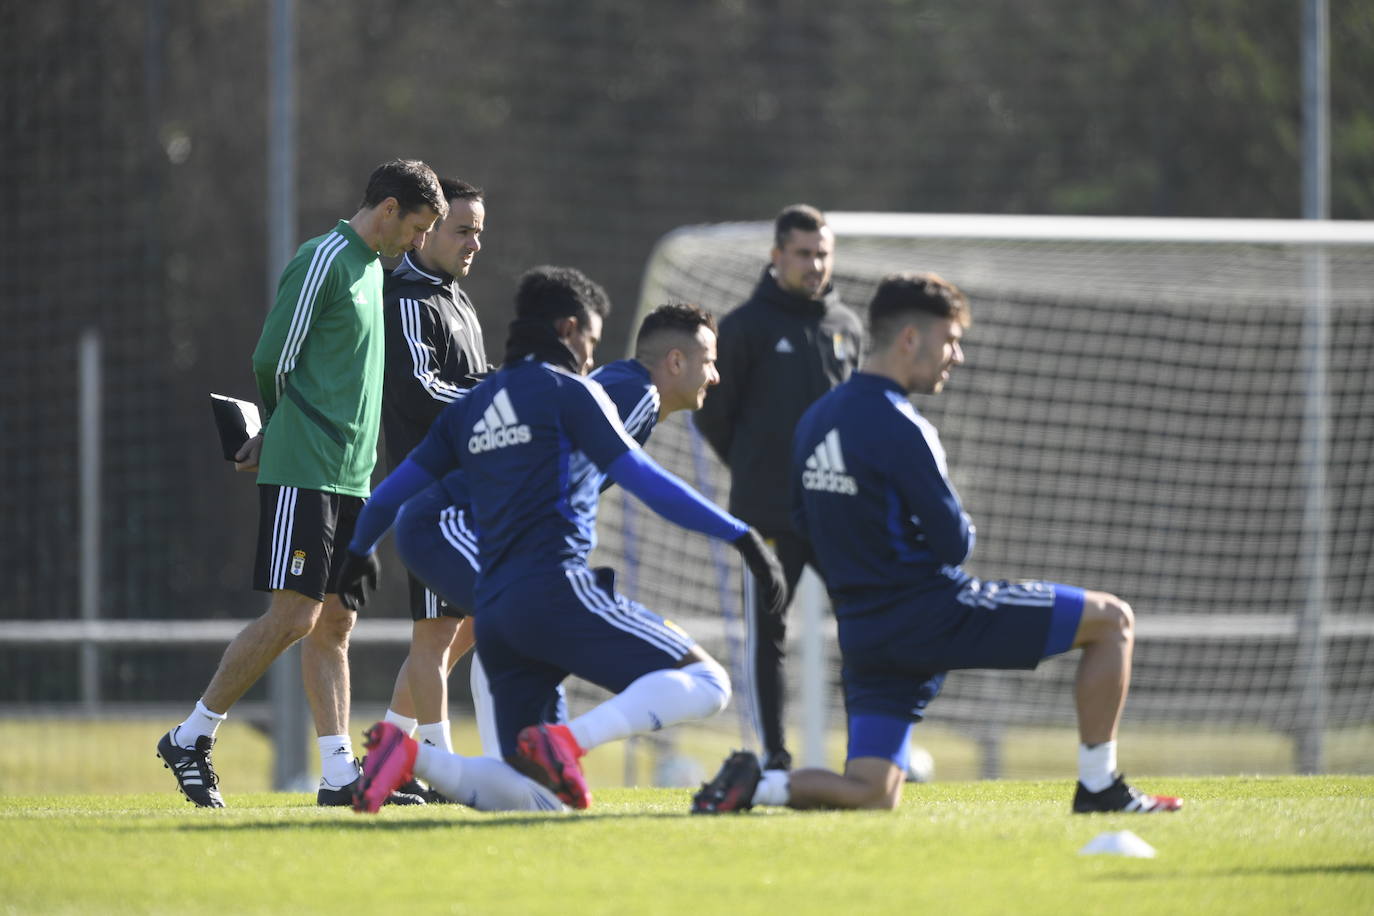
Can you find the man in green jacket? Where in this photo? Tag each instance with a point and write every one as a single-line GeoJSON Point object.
{"type": "Point", "coordinates": [319, 369]}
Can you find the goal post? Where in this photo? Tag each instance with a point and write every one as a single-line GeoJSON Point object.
{"type": "Point", "coordinates": [1180, 411]}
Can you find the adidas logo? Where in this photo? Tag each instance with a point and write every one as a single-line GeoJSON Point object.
{"type": "Point", "coordinates": [498, 427]}
{"type": "Point", "coordinates": [825, 468]}
{"type": "Point", "coordinates": [784, 345]}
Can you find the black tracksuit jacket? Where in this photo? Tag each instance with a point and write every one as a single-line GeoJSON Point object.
{"type": "Point", "coordinates": [433, 348]}
{"type": "Point", "coordinates": [778, 353]}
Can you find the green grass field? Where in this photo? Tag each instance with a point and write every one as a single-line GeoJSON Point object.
{"type": "Point", "coordinates": [1241, 845]}
{"type": "Point", "coordinates": [53, 756]}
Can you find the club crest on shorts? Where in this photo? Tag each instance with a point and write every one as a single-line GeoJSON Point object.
{"type": "Point", "coordinates": [297, 562]}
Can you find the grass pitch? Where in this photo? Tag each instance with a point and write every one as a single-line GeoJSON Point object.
{"type": "Point", "coordinates": [1241, 845]}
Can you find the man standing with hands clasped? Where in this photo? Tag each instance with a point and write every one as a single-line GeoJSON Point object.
{"type": "Point", "coordinates": [435, 352]}
{"type": "Point", "coordinates": [790, 343]}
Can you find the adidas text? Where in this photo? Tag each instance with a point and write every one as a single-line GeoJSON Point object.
{"type": "Point", "coordinates": [829, 482]}
{"type": "Point", "coordinates": [488, 440]}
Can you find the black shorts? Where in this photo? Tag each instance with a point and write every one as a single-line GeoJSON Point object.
{"type": "Point", "coordinates": [426, 605]}
{"type": "Point", "coordinates": [303, 539]}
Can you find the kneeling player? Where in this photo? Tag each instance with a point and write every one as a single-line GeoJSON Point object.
{"type": "Point", "coordinates": [871, 492]}
{"type": "Point", "coordinates": [535, 443]}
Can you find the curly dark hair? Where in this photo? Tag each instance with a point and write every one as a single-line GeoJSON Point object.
{"type": "Point", "coordinates": [549, 293]}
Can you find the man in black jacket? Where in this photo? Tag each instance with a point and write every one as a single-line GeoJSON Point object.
{"type": "Point", "coordinates": [434, 348]}
{"type": "Point", "coordinates": [790, 343]}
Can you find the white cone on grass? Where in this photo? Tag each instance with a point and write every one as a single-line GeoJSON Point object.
{"type": "Point", "coordinates": [1118, 843]}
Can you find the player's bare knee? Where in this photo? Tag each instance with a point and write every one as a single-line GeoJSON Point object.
{"type": "Point", "coordinates": [334, 625]}
{"type": "Point", "coordinates": [1106, 619]}
{"type": "Point", "coordinates": [880, 796]}
{"type": "Point", "coordinates": [1119, 619]}
{"type": "Point", "coordinates": [293, 614]}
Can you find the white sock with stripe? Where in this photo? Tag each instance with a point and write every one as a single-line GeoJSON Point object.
{"type": "Point", "coordinates": [1097, 765]}
{"type": "Point", "coordinates": [436, 734]}
{"type": "Point", "coordinates": [404, 723]}
{"type": "Point", "coordinates": [337, 766]}
{"type": "Point", "coordinates": [656, 700]}
{"type": "Point", "coordinates": [201, 721]}
{"type": "Point", "coordinates": [482, 783]}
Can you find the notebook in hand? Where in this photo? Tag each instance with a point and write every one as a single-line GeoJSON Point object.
{"type": "Point", "coordinates": [237, 421]}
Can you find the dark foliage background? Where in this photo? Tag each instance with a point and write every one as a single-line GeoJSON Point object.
{"type": "Point", "coordinates": [133, 187]}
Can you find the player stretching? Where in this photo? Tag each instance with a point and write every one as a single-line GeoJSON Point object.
{"type": "Point", "coordinates": [534, 442]}
{"type": "Point", "coordinates": [872, 493]}
{"type": "Point", "coordinates": [673, 366]}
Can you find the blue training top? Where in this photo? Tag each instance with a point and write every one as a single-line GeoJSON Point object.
{"type": "Point", "coordinates": [628, 384]}
{"type": "Point", "coordinates": [535, 443]}
{"type": "Point", "coordinates": [871, 492]}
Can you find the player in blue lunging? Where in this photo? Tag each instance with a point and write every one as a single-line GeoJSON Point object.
{"type": "Point", "coordinates": [871, 491]}
{"type": "Point", "coordinates": [673, 366]}
{"type": "Point", "coordinates": [535, 442]}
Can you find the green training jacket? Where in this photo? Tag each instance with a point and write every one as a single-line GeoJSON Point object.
{"type": "Point", "coordinates": [319, 367]}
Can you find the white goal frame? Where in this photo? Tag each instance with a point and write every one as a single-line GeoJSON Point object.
{"type": "Point", "coordinates": [1313, 626]}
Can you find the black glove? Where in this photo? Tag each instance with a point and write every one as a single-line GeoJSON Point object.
{"type": "Point", "coordinates": [765, 566]}
{"type": "Point", "coordinates": [358, 579]}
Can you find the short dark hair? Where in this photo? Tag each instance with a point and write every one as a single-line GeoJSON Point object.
{"type": "Point", "coordinates": [901, 295]}
{"type": "Point", "coordinates": [674, 318]}
{"type": "Point", "coordinates": [550, 293]}
{"type": "Point", "coordinates": [797, 216]}
{"type": "Point", "coordinates": [457, 189]}
{"type": "Point", "coordinates": [411, 182]}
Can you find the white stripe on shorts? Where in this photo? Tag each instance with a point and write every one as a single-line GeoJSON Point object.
{"type": "Point", "coordinates": [452, 525]}
{"type": "Point", "coordinates": [615, 613]}
{"type": "Point", "coordinates": [283, 524]}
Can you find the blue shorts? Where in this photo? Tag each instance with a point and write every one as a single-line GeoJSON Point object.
{"type": "Point", "coordinates": [566, 621]}
{"type": "Point", "coordinates": [438, 547]}
{"type": "Point", "coordinates": [895, 658]}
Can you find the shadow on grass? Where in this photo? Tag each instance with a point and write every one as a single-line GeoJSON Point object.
{"type": "Point", "coordinates": [473, 819]}
{"type": "Point", "coordinates": [1335, 868]}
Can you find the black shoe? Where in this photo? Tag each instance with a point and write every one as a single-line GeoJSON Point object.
{"type": "Point", "coordinates": [191, 766]}
{"type": "Point", "coordinates": [778, 760]}
{"type": "Point", "coordinates": [434, 797]}
{"type": "Point", "coordinates": [1119, 797]}
{"type": "Point", "coordinates": [330, 797]}
{"type": "Point", "coordinates": [431, 795]}
{"type": "Point", "coordinates": [733, 788]}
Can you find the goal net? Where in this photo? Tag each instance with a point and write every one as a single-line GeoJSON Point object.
{"type": "Point", "coordinates": [1177, 411]}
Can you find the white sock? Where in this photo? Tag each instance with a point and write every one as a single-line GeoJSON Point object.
{"type": "Point", "coordinates": [337, 766]}
{"type": "Point", "coordinates": [656, 700]}
{"type": "Point", "coordinates": [482, 783]}
{"type": "Point", "coordinates": [404, 723]}
{"type": "Point", "coordinates": [436, 734]}
{"type": "Point", "coordinates": [201, 721]}
{"type": "Point", "coordinates": [1097, 765]}
{"type": "Point", "coordinates": [484, 710]}
{"type": "Point", "coordinates": [773, 789]}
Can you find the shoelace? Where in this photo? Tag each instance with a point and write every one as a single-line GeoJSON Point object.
{"type": "Point", "coordinates": [195, 758]}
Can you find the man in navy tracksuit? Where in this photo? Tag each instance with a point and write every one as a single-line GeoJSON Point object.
{"type": "Point", "coordinates": [434, 353]}
{"type": "Point", "coordinates": [536, 441]}
{"type": "Point", "coordinates": [871, 492]}
{"type": "Point", "coordinates": [790, 343]}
